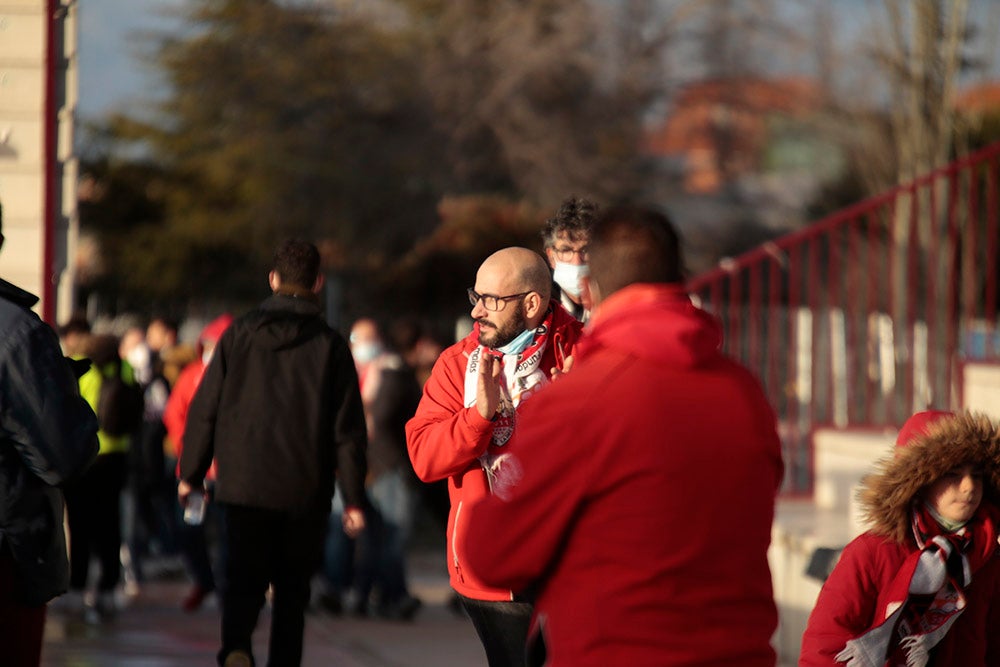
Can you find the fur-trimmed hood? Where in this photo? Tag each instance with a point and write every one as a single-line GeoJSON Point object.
{"type": "Point", "coordinates": [887, 496]}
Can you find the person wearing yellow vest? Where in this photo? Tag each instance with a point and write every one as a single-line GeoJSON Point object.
{"type": "Point", "coordinates": [93, 501]}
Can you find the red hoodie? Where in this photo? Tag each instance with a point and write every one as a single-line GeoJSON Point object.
{"type": "Point", "coordinates": [643, 515]}
{"type": "Point", "coordinates": [176, 411]}
{"type": "Point", "coordinates": [445, 439]}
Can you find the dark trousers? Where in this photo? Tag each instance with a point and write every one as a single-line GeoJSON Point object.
{"type": "Point", "coordinates": [502, 628]}
{"type": "Point", "coordinates": [265, 547]}
{"type": "Point", "coordinates": [21, 627]}
{"type": "Point", "coordinates": [93, 509]}
{"type": "Point", "coordinates": [205, 564]}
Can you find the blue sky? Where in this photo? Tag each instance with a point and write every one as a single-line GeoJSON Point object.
{"type": "Point", "coordinates": [111, 73]}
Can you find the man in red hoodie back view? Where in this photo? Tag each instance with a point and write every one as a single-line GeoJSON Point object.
{"type": "Point", "coordinates": [642, 516]}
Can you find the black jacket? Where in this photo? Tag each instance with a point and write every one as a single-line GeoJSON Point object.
{"type": "Point", "coordinates": [394, 404]}
{"type": "Point", "coordinates": [48, 435]}
{"type": "Point", "coordinates": [280, 410]}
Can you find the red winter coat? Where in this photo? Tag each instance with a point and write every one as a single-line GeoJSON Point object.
{"type": "Point", "coordinates": [176, 411]}
{"type": "Point", "coordinates": [445, 439]}
{"type": "Point", "coordinates": [847, 606]}
{"type": "Point", "coordinates": [643, 516]}
{"type": "Point", "coordinates": [858, 596]}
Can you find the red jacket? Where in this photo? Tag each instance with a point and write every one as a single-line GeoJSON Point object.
{"type": "Point", "coordinates": [176, 412]}
{"type": "Point", "coordinates": [644, 513]}
{"type": "Point", "coordinates": [847, 604]}
{"type": "Point", "coordinates": [862, 591]}
{"type": "Point", "coordinates": [445, 439]}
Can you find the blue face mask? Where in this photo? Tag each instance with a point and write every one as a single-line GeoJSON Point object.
{"type": "Point", "coordinates": [517, 345]}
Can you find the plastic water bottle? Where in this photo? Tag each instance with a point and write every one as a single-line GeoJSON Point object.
{"type": "Point", "coordinates": [194, 508]}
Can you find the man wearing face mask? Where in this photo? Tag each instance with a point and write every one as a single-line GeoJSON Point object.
{"type": "Point", "coordinates": [566, 236]}
{"type": "Point", "coordinates": [389, 392]}
{"type": "Point", "coordinates": [468, 413]}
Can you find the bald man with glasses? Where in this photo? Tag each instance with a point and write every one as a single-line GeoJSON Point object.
{"type": "Point", "coordinates": [466, 416]}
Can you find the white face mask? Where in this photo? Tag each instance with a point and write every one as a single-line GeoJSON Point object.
{"type": "Point", "coordinates": [365, 352]}
{"type": "Point", "coordinates": [568, 276]}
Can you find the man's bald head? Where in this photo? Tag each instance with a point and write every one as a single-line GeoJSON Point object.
{"type": "Point", "coordinates": [519, 270]}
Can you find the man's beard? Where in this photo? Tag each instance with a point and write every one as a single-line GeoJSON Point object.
{"type": "Point", "coordinates": [495, 337]}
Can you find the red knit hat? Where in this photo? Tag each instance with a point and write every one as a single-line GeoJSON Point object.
{"type": "Point", "coordinates": [213, 330]}
{"type": "Point", "coordinates": [917, 425]}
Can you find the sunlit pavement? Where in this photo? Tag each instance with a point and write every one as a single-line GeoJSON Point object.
{"type": "Point", "coordinates": [151, 630]}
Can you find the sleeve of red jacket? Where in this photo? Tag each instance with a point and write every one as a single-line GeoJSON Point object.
{"type": "Point", "coordinates": [199, 429]}
{"type": "Point", "coordinates": [845, 607]}
{"type": "Point", "coordinates": [175, 412]}
{"type": "Point", "coordinates": [444, 436]}
{"type": "Point", "coordinates": [510, 542]}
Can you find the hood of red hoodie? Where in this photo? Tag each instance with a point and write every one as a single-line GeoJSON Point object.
{"type": "Point", "coordinates": [657, 322]}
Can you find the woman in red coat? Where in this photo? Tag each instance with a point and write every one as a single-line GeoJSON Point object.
{"type": "Point", "coordinates": [922, 586]}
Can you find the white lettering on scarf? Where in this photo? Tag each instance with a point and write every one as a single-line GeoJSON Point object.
{"type": "Point", "coordinates": [519, 379]}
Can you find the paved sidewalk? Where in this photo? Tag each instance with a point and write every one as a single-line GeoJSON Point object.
{"type": "Point", "coordinates": [152, 631]}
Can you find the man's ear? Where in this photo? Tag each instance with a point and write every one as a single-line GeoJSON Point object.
{"type": "Point", "coordinates": [318, 285]}
{"type": "Point", "coordinates": [274, 280]}
{"type": "Point", "coordinates": [534, 305]}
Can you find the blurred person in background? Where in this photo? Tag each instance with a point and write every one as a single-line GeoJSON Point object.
{"type": "Point", "coordinates": [390, 393]}
{"type": "Point", "coordinates": [161, 335]}
{"type": "Point", "coordinates": [93, 502]}
{"type": "Point", "coordinates": [74, 337]}
{"type": "Point", "coordinates": [150, 524]}
{"type": "Point", "coordinates": [566, 236]}
{"type": "Point", "coordinates": [48, 435]}
{"type": "Point", "coordinates": [194, 537]}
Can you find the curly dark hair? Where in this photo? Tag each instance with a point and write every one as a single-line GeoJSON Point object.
{"type": "Point", "coordinates": [574, 217]}
{"type": "Point", "coordinates": [297, 262]}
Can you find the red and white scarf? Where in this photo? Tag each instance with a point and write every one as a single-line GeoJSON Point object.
{"type": "Point", "coordinates": [522, 375]}
{"type": "Point", "coordinates": [926, 596]}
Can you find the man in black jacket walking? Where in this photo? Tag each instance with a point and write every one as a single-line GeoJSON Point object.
{"type": "Point", "coordinates": [48, 435]}
{"type": "Point", "coordinates": [280, 411]}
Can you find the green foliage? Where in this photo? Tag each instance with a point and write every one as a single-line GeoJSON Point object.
{"type": "Point", "coordinates": [349, 126]}
{"type": "Point", "coordinates": [432, 278]}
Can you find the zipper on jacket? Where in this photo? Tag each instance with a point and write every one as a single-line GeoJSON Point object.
{"type": "Point", "coordinates": [454, 542]}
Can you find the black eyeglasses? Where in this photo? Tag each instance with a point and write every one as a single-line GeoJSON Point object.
{"type": "Point", "coordinates": [566, 253]}
{"type": "Point", "coordinates": [491, 301]}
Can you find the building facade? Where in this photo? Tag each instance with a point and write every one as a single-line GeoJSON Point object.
{"type": "Point", "coordinates": [38, 167]}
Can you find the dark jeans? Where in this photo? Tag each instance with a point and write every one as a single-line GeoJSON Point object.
{"type": "Point", "coordinates": [273, 547]}
{"type": "Point", "coordinates": [93, 510]}
{"type": "Point", "coordinates": [197, 550]}
{"type": "Point", "coordinates": [502, 628]}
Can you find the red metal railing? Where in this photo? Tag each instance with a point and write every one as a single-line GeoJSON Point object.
{"type": "Point", "coordinates": [861, 318]}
